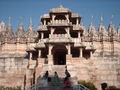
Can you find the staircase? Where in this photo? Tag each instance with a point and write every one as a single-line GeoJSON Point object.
{"type": "Point", "coordinates": [42, 84]}
{"type": "Point", "coordinates": [76, 87]}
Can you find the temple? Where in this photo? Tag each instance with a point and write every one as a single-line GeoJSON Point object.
{"type": "Point", "coordinates": [61, 41]}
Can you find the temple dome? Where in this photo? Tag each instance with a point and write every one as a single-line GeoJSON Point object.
{"type": "Point", "coordinates": [61, 9]}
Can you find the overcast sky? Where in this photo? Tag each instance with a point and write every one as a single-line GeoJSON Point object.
{"type": "Point", "coordinates": [36, 8]}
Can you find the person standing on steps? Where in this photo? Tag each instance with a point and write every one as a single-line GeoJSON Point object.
{"type": "Point", "coordinates": [67, 82]}
{"type": "Point", "coordinates": [56, 80]}
{"type": "Point", "coordinates": [46, 75]}
{"type": "Point", "coordinates": [67, 73]}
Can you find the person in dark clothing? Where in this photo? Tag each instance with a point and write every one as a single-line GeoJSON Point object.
{"type": "Point", "coordinates": [67, 73]}
{"type": "Point", "coordinates": [46, 76]}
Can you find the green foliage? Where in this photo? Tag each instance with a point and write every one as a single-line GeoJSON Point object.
{"type": "Point", "coordinates": [10, 88]}
{"type": "Point", "coordinates": [89, 85]}
{"type": "Point", "coordinates": [111, 87]}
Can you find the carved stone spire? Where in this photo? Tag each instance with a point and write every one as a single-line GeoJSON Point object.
{"type": "Point", "coordinates": [111, 28]}
{"type": "Point", "coordinates": [3, 26]}
{"type": "Point", "coordinates": [61, 6]}
{"type": "Point", "coordinates": [103, 34]}
{"type": "Point", "coordinates": [20, 31]}
{"type": "Point", "coordinates": [30, 27]}
{"type": "Point", "coordinates": [31, 20]}
{"type": "Point", "coordinates": [91, 28]}
{"type": "Point", "coordinates": [101, 27]}
{"type": "Point", "coordinates": [92, 32]}
{"type": "Point", "coordinates": [20, 26]}
{"type": "Point", "coordinates": [9, 27]}
{"type": "Point", "coordinates": [92, 17]}
{"type": "Point", "coordinates": [112, 18]}
{"type": "Point", "coordinates": [101, 20]}
{"type": "Point", "coordinates": [30, 31]}
{"type": "Point", "coordinates": [118, 30]}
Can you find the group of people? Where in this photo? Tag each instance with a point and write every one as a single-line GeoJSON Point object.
{"type": "Point", "coordinates": [56, 80]}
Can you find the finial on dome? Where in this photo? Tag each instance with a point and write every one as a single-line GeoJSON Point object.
{"type": "Point", "coordinates": [9, 20]}
{"type": "Point", "coordinates": [21, 20]}
{"type": "Point", "coordinates": [31, 20]}
{"type": "Point", "coordinates": [101, 19]}
{"type": "Point", "coordinates": [92, 19]}
{"type": "Point", "coordinates": [82, 20]}
{"type": "Point", "coordinates": [112, 18]}
{"type": "Point", "coordinates": [61, 6]}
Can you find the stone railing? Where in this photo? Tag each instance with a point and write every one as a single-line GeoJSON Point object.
{"type": "Point", "coordinates": [59, 23]}
{"type": "Point", "coordinates": [76, 40]}
{"type": "Point", "coordinates": [59, 36]}
{"type": "Point", "coordinates": [78, 27]}
{"type": "Point", "coordinates": [42, 27]}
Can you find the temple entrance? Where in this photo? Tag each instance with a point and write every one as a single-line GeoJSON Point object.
{"type": "Point", "coordinates": [59, 56]}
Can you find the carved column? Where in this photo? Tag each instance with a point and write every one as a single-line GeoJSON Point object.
{"type": "Point", "coordinates": [50, 56]}
{"type": "Point", "coordinates": [77, 21]}
{"type": "Point", "coordinates": [39, 53]}
{"type": "Point", "coordinates": [42, 35]}
{"type": "Point", "coordinates": [78, 34]}
{"type": "Point", "coordinates": [44, 23]}
{"type": "Point", "coordinates": [68, 56]}
{"type": "Point", "coordinates": [91, 54]}
{"type": "Point", "coordinates": [52, 31]}
{"type": "Point", "coordinates": [30, 56]}
{"type": "Point", "coordinates": [40, 60]}
{"type": "Point", "coordinates": [81, 52]}
{"type": "Point", "coordinates": [68, 31]}
{"type": "Point", "coordinates": [67, 17]}
{"type": "Point", "coordinates": [53, 18]}
{"type": "Point", "coordinates": [69, 49]}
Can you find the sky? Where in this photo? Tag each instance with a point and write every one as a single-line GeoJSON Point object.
{"type": "Point", "coordinates": [36, 8]}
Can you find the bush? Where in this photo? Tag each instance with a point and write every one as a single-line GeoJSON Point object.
{"type": "Point", "coordinates": [89, 85]}
{"type": "Point", "coordinates": [112, 87]}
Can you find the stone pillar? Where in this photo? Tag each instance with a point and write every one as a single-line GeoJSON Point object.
{"type": "Point", "coordinates": [77, 21]}
{"type": "Point", "coordinates": [68, 31]}
{"type": "Point", "coordinates": [42, 35]}
{"type": "Point", "coordinates": [91, 54]}
{"type": "Point", "coordinates": [44, 23]}
{"type": "Point", "coordinates": [69, 49]}
{"type": "Point", "coordinates": [78, 34]}
{"type": "Point", "coordinates": [30, 56]}
{"type": "Point", "coordinates": [39, 53]}
{"type": "Point", "coordinates": [52, 31]}
{"type": "Point", "coordinates": [50, 56]}
{"type": "Point", "coordinates": [81, 52]}
{"type": "Point", "coordinates": [67, 17]}
{"type": "Point", "coordinates": [68, 56]}
{"type": "Point", "coordinates": [53, 18]}
{"type": "Point", "coordinates": [50, 49]}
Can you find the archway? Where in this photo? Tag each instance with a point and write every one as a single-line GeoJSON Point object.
{"type": "Point", "coordinates": [59, 55]}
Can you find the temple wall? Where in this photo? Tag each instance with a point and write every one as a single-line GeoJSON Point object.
{"type": "Point", "coordinates": [14, 48]}
{"type": "Point", "coordinates": [12, 69]}
{"type": "Point", "coordinates": [104, 66]}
